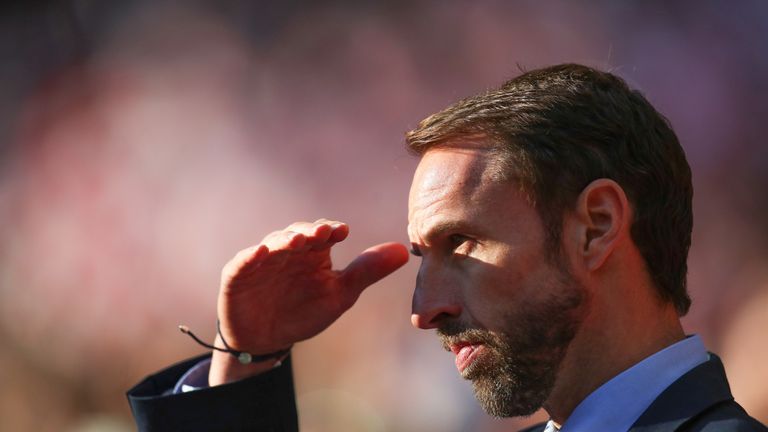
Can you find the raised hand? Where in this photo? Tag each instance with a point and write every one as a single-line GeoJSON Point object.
{"type": "Point", "coordinates": [284, 290]}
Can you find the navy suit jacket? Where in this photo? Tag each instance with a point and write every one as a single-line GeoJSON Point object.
{"type": "Point", "coordinates": [262, 403]}
{"type": "Point", "coordinates": [700, 400]}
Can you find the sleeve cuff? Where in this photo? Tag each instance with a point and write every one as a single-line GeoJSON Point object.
{"type": "Point", "coordinates": [195, 378]}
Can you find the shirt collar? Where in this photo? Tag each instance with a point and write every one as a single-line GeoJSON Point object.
{"type": "Point", "coordinates": [618, 403]}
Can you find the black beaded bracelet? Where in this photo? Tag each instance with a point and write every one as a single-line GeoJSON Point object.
{"type": "Point", "coordinates": [242, 357]}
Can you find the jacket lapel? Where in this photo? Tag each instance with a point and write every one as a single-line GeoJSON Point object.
{"type": "Point", "coordinates": [702, 387]}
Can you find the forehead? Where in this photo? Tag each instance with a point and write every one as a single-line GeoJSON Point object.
{"type": "Point", "coordinates": [450, 168]}
{"type": "Point", "coordinates": [451, 180]}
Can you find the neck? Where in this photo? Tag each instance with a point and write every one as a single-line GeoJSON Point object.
{"type": "Point", "coordinates": [607, 344]}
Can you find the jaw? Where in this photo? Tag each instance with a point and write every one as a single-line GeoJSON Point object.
{"type": "Point", "coordinates": [564, 398]}
{"type": "Point", "coordinates": [573, 380]}
{"type": "Point", "coordinates": [588, 362]}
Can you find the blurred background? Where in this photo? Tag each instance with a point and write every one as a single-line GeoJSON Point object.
{"type": "Point", "coordinates": [145, 142]}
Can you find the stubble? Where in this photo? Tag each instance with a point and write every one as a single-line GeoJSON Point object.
{"type": "Point", "coordinates": [517, 368]}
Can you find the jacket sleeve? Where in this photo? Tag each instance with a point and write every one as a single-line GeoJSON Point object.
{"type": "Point", "coordinates": [265, 402]}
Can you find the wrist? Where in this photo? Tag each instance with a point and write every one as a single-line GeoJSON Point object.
{"type": "Point", "coordinates": [229, 364]}
{"type": "Point", "coordinates": [226, 368]}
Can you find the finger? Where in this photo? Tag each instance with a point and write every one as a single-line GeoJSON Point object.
{"type": "Point", "coordinates": [281, 241]}
{"type": "Point", "coordinates": [339, 232]}
{"type": "Point", "coordinates": [327, 221]}
{"type": "Point", "coordinates": [252, 254]}
{"type": "Point", "coordinates": [372, 265]}
{"type": "Point", "coordinates": [247, 257]}
{"type": "Point", "coordinates": [334, 224]}
{"type": "Point", "coordinates": [316, 233]}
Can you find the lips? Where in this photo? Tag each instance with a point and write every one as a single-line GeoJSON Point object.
{"type": "Point", "coordinates": [466, 353]}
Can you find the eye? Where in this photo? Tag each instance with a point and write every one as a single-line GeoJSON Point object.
{"type": "Point", "coordinates": [415, 251]}
{"type": "Point", "coordinates": [460, 243]}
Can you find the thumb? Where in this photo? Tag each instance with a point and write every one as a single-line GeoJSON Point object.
{"type": "Point", "coordinates": [371, 265]}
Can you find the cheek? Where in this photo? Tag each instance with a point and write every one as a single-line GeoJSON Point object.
{"type": "Point", "coordinates": [492, 292]}
{"type": "Point", "coordinates": [504, 279]}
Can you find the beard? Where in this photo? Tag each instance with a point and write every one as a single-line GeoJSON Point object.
{"type": "Point", "coordinates": [516, 370]}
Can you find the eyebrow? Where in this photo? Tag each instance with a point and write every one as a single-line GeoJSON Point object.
{"type": "Point", "coordinates": [438, 229]}
{"type": "Point", "coordinates": [443, 226]}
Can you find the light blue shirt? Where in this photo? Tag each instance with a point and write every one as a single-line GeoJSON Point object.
{"type": "Point", "coordinates": [195, 378]}
{"type": "Point", "coordinates": [616, 405]}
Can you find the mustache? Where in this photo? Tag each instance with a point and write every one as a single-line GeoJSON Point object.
{"type": "Point", "coordinates": [455, 333]}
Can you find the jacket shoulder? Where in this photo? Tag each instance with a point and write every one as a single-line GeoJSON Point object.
{"type": "Point", "coordinates": [699, 401]}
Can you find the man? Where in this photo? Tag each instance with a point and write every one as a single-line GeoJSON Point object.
{"type": "Point", "coordinates": [552, 217]}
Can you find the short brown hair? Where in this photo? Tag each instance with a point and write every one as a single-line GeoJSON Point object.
{"type": "Point", "coordinates": [557, 129]}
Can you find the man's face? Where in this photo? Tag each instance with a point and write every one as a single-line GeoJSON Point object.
{"type": "Point", "coordinates": [485, 283]}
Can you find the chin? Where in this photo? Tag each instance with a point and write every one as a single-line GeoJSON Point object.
{"type": "Point", "coordinates": [503, 396]}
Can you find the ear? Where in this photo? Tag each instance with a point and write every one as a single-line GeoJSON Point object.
{"type": "Point", "coordinates": [602, 217]}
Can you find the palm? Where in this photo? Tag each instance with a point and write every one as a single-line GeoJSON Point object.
{"type": "Point", "coordinates": [285, 290]}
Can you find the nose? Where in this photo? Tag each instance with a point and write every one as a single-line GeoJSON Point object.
{"type": "Point", "coordinates": [434, 301]}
